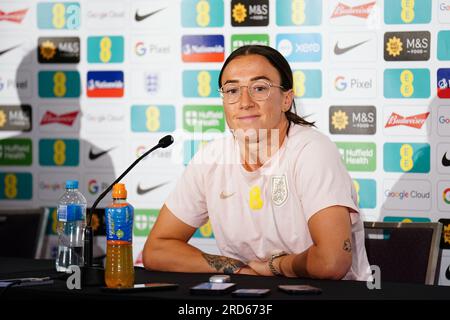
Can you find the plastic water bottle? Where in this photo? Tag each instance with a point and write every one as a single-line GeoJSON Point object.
{"type": "Point", "coordinates": [71, 223]}
{"type": "Point", "coordinates": [119, 269]}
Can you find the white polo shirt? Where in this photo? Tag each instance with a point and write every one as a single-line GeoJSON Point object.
{"type": "Point", "coordinates": [255, 214]}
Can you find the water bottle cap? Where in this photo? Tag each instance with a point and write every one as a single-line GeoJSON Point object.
{"type": "Point", "coordinates": [119, 191]}
{"type": "Point", "coordinates": [72, 184]}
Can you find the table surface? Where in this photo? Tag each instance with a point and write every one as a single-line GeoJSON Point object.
{"type": "Point", "coordinates": [331, 290]}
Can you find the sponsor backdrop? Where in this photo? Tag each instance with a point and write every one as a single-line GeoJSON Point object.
{"type": "Point", "coordinates": [88, 86]}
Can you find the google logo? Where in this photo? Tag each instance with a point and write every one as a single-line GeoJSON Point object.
{"type": "Point", "coordinates": [340, 84]}
{"type": "Point", "coordinates": [93, 186]}
{"type": "Point", "coordinates": [446, 196]}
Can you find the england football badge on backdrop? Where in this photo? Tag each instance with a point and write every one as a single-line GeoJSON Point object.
{"type": "Point", "coordinates": [280, 190]}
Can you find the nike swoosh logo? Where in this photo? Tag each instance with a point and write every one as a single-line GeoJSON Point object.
{"type": "Point", "coordinates": [9, 49]}
{"type": "Point", "coordinates": [139, 18]}
{"type": "Point", "coordinates": [93, 156]}
{"type": "Point", "coordinates": [225, 196]}
{"type": "Point", "coordinates": [141, 191]}
{"type": "Point", "coordinates": [445, 161]}
{"type": "Point", "coordinates": [339, 51]}
{"type": "Point", "coordinates": [447, 273]}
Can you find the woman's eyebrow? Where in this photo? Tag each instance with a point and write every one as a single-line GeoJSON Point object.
{"type": "Point", "coordinates": [252, 79]}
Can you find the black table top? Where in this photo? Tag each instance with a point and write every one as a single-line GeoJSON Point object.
{"type": "Point", "coordinates": [331, 290]}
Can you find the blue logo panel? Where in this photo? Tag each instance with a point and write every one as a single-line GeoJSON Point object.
{"type": "Point", "coordinates": [59, 152]}
{"type": "Point", "coordinates": [367, 193]}
{"type": "Point", "coordinates": [59, 84]}
{"type": "Point", "coordinates": [105, 49]}
{"type": "Point", "coordinates": [201, 84]}
{"type": "Point", "coordinates": [443, 51]}
{"type": "Point", "coordinates": [59, 15]}
{"type": "Point", "coordinates": [16, 186]}
{"type": "Point", "coordinates": [307, 84]}
{"type": "Point", "coordinates": [406, 157]}
{"type": "Point", "coordinates": [406, 83]}
{"type": "Point", "coordinates": [201, 13]}
{"type": "Point", "coordinates": [301, 47]}
{"type": "Point", "coordinates": [153, 118]}
{"type": "Point", "coordinates": [407, 12]}
{"type": "Point", "coordinates": [299, 13]}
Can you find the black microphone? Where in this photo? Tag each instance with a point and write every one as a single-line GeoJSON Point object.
{"type": "Point", "coordinates": [88, 233]}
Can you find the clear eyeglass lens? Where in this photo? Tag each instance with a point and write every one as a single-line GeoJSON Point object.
{"type": "Point", "coordinates": [258, 90]}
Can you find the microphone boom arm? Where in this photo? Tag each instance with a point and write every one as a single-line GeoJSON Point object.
{"type": "Point", "coordinates": [88, 234]}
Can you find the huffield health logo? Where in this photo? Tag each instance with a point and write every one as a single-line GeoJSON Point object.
{"type": "Point", "coordinates": [406, 83]}
{"type": "Point", "coordinates": [407, 46]}
{"type": "Point", "coordinates": [366, 190]}
{"type": "Point", "coordinates": [204, 231]}
{"type": "Point", "coordinates": [152, 118]}
{"type": "Point", "coordinates": [144, 220]}
{"type": "Point", "coordinates": [201, 83]}
{"type": "Point", "coordinates": [249, 13]}
{"type": "Point", "coordinates": [202, 13]}
{"type": "Point", "coordinates": [407, 11]}
{"type": "Point", "coordinates": [16, 186]}
{"type": "Point", "coordinates": [406, 157]}
{"type": "Point", "coordinates": [240, 40]}
{"type": "Point", "coordinates": [203, 118]}
{"type": "Point", "coordinates": [16, 152]}
{"type": "Point", "coordinates": [299, 12]}
{"type": "Point", "coordinates": [59, 50]}
{"type": "Point", "coordinates": [352, 120]}
{"type": "Point", "coordinates": [307, 84]}
{"type": "Point", "coordinates": [358, 156]}
{"type": "Point", "coordinates": [15, 118]}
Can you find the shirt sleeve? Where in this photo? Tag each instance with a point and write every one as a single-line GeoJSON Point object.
{"type": "Point", "coordinates": [187, 201]}
{"type": "Point", "coordinates": [322, 179]}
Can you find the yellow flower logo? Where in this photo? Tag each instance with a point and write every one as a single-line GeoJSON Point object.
{"type": "Point", "coordinates": [447, 234]}
{"type": "Point", "coordinates": [239, 13]}
{"type": "Point", "coordinates": [339, 120]}
{"type": "Point", "coordinates": [48, 49]}
{"type": "Point", "coordinates": [394, 46]}
{"type": "Point", "coordinates": [2, 118]}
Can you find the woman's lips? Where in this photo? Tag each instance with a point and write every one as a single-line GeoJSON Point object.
{"type": "Point", "coordinates": [248, 118]}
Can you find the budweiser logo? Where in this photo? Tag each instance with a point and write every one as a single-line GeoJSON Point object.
{"type": "Point", "coordinates": [66, 119]}
{"type": "Point", "coordinates": [416, 121]}
{"type": "Point", "coordinates": [362, 11]}
{"type": "Point", "coordinates": [15, 16]}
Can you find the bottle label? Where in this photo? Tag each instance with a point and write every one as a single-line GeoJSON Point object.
{"type": "Point", "coordinates": [119, 223]}
{"type": "Point", "coordinates": [71, 212]}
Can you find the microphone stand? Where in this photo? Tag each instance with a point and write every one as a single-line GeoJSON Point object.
{"type": "Point", "coordinates": [88, 232]}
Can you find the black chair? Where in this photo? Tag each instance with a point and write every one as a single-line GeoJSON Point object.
{"type": "Point", "coordinates": [404, 252]}
{"type": "Point", "coordinates": [22, 232]}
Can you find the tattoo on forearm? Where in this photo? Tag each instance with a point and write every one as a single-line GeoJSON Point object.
{"type": "Point", "coordinates": [347, 245]}
{"type": "Point", "coordinates": [223, 264]}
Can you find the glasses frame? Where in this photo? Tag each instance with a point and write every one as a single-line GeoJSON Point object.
{"type": "Point", "coordinates": [222, 95]}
